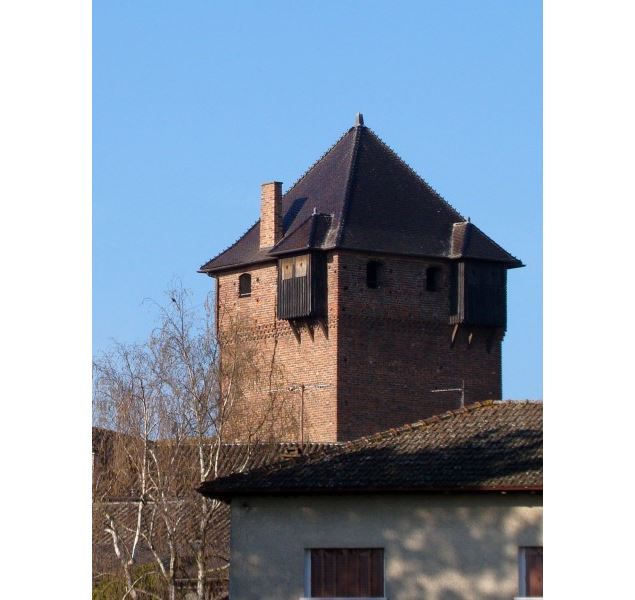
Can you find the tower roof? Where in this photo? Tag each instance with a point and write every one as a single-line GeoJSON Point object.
{"type": "Point", "coordinates": [361, 196]}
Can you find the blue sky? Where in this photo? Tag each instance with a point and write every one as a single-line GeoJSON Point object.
{"type": "Point", "coordinates": [197, 103]}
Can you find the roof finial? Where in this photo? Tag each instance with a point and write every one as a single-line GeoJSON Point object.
{"type": "Point", "coordinates": [359, 120]}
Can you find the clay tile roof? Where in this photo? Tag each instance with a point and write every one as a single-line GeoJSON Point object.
{"type": "Point", "coordinates": [375, 202]}
{"type": "Point", "coordinates": [489, 446]}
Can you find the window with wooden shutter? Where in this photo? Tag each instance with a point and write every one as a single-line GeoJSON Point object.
{"type": "Point", "coordinates": [286, 268]}
{"type": "Point", "coordinates": [301, 265]}
{"type": "Point", "coordinates": [531, 572]}
{"type": "Point", "coordinates": [346, 573]}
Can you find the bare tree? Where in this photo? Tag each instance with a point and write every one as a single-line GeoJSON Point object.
{"type": "Point", "coordinates": [173, 403]}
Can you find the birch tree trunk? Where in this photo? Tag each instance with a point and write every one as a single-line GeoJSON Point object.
{"type": "Point", "coordinates": [167, 403]}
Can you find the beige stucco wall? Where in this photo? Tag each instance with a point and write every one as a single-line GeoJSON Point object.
{"type": "Point", "coordinates": [436, 547]}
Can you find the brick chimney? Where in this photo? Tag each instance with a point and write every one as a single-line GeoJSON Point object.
{"type": "Point", "coordinates": [270, 214]}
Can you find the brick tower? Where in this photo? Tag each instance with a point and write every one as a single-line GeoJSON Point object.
{"type": "Point", "coordinates": [383, 304]}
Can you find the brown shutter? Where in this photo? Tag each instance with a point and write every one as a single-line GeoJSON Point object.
{"type": "Point", "coordinates": [377, 573]}
{"type": "Point", "coordinates": [316, 574]}
{"type": "Point", "coordinates": [328, 573]}
{"type": "Point", "coordinates": [533, 571]}
{"type": "Point", "coordinates": [347, 572]}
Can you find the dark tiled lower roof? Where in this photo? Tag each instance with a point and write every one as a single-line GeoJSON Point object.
{"type": "Point", "coordinates": [312, 234]}
{"type": "Point", "coordinates": [468, 241]}
{"type": "Point", "coordinates": [484, 446]}
{"type": "Point", "coordinates": [377, 203]}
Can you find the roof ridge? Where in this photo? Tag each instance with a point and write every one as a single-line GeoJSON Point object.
{"type": "Point", "coordinates": [349, 184]}
{"type": "Point", "coordinates": [523, 401]}
{"type": "Point", "coordinates": [392, 432]}
{"type": "Point", "coordinates": [467, 236]}
{"type": "Point", "coordinates": [314, 220]}
{"type": "Point", "coordinates": [297, 181]}
{"type": "Point", "coordinates": [253, 444]}
{"type": "Point", "coordinates": [421, 179]}
{"type": "Point", "coordinates": [287, 192]}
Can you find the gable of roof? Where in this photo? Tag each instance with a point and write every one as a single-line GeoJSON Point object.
{"type": "Point", "coordinates": [375, 201]}
{"type": "Point", "coordinates": [489, 446]}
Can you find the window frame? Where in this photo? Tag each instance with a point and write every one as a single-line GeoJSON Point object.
{"type": "Point", "coordinates": [307, 574]}
{"type": "Point", "coordinates": [244, 277]}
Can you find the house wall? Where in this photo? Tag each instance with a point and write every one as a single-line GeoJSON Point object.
{"type": "Point", "coordinates": [436, 547]}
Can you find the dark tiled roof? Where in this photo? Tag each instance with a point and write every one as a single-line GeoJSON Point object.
{"type": "Point", "coordinates": [310, 235]}
{"type": "Point", "coordinates": [376, 203]}
{"type": "Point", "coordinates": [485, 446]}
{"type": "Point", "coordinates": [468, 241]}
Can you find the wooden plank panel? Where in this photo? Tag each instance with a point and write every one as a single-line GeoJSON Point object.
{"type": "Point", "coordinates": [364, 572]}
{"type": "Point", "coordinates": [347, 572]}
{"type": "Point", "coordinates": [533, 557]}
{"type": "Point", "coordinates": [329, 573]}
{"type": "Point", "coordinates": [352, 587]}
{"type": "Point", "coordinates": [340, 572]}
{"type": "Point", "coordinates": [317, 574]}
{"type": "Point", "coordinates": [377, 573]}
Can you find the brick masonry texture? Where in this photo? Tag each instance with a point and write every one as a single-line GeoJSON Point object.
{"type": "Point", "coordinates": [373, 362]}
{"type": "Point", "coordinates": [270, 214]}
{"type": "Point", "coordinates": [311, 361]}
{"type": "Point", "coordinates": [395, 348]}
